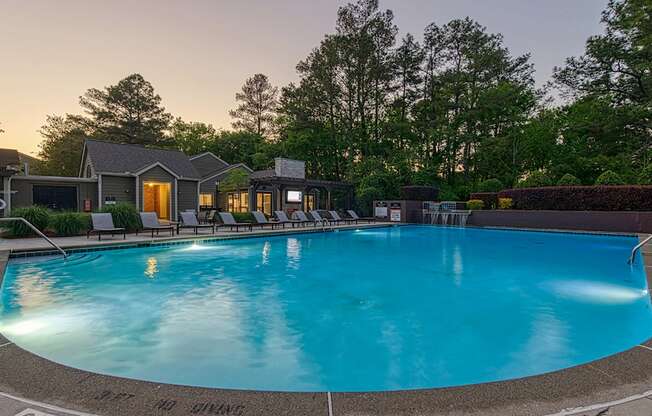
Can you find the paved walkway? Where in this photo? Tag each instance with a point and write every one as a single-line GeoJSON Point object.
{"type": "Point", "coordinates": [35, 243]}
{"type": "Point", "coordinates": [15, 406]}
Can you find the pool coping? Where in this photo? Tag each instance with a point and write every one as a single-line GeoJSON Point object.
{"type": "Point", "coordinates": [614, 379]}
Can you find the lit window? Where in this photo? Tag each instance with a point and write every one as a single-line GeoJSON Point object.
{"type": "Point", "coordinates": [206, 200]}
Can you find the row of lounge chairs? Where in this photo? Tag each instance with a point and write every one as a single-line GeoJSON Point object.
{"type": "Point", "coordinates": [102, 223]}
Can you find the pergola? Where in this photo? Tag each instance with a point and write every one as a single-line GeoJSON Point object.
{"type": "Point", "coordinates": [266, 180]}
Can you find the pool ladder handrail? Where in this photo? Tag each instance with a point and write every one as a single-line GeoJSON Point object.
{"type": "Point", "coordinates": [37, 231]}
{"type": "Point", "coordinates": [637, 248]}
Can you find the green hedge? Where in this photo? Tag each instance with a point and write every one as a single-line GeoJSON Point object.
{"type": "Point", "coordinates": [243, 217]}
{"type": "Point", "coordinates": [67, 224]}
{"type": "Point", "coordinates": [124, 216]}
{"type": "Point", "coordinates": [37, 215]}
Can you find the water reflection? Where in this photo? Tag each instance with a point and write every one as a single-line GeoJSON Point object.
{"type": "Point", "coordinates": [293, 251]}
{"type": "Point", "coordinates": [267, 248]}
{"type": "Point", "coordinates": [152, 268]}
{"type": "Point", "coordinates": [595, 292]}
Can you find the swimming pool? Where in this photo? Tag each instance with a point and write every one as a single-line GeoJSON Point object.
{"type": "Point", "coordinates": [375, 309]}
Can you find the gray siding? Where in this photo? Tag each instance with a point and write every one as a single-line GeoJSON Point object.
{"type": "Point", "coordinates": [24, 195]}
{"type": "Point", "coordinates": [157, 174]}
{"type": "Point", "coordinates": [121, 187]}
{"type": "Point", "coordinates": [187, 197]}
{"type": "Point", "coordinates": [207, 164]}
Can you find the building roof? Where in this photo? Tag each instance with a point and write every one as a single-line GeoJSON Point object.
{"type": "Point", "coordinates": [270, 176]}
{"type": "Point", "coordinates": [108, 157]}
{"type": "Point", "coordinates": [208, 164]}
{"type": "Point", "coordinates": [9, 157]}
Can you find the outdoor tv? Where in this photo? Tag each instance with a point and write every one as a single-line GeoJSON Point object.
{"type": "Point", "coordinates": [294, 196]}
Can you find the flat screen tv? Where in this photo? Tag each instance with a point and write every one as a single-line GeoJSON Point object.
{"type": "Point", "coordinates": [294, 196]}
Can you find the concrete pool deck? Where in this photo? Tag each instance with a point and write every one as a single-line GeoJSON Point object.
{"type": "Point", "coordinates": [620, 384]}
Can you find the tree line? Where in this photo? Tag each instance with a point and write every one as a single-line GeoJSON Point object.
{"type": "Point", "coordinates": [456, 109]}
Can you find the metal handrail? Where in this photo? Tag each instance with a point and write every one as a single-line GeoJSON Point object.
{"type": "Point", "coordinates": [637, 248]}
{"type": "Point", "coordinates": [37, 231]}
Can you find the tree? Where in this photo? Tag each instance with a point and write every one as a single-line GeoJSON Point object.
{"type": "Point", "coordinates": [192, 137]}
{"type": "Point", "coordinates": [614, 75]}
{"type": "Point", "coordinates": [128, 112]}
{"type": "Point", "coordinates": [256, 111]}
{"type": "Point", "coordinates": [1, 130]}
{"type": "Point", "coordinates": [61, 148]}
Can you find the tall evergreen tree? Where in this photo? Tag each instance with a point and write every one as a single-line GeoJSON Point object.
{"type": "Point", "coordinates": [128, 112]}
{"type": "Point", "coordinates": [257, 108]}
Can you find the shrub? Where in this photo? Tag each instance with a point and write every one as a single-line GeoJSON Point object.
{"type": "Point", "coordinates": [645, 177]}
{"type": "Point", "coordinates": [38, 216]}
{"type": "Point", "coordinates": [243, 217]}
{"type": "Point", "coordinates": [475, 204]}
{"type": "Point", "coordinates": [124, 216]}
{"type": "Point", "coordinates": [535, 180]}
{"type": "Point", "coordinates": [490, 199]}
{"type": "Point", "coordinates": [569, 180]}
{"type": "Point", "coordinates": [366, 197]}
{"type": "Point", "coordinates": [419, 193]}
{"type": "Point", "coordinates": [582, 198]}
{"type": "Point", "coordinates": [69, 223]}
{"type": "Point", "coordinates": [490, 185]}
{"type": "Point", "coordinates": [505, 203]}
{"type": "Point", "coordinates": [609, 177]}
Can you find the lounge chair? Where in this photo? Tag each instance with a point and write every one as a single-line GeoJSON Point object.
{"type": "Point", "coordinates": [229, 221]}
{"type": "Point", "coordinates": [264, 222]}
{"type": "Point", "coordinates": [282, 218]}
{"type": "Point", "coordinates": [189, 220]}
{"type": "Point", "coordinates": [301, 216]}
{"type": "Point", "coordinates": [336, 217]}
{"type": "Point", "coordinates": [103, 224]}
{"type": "Point", "coordinates": [150, 222]}
{"type": "Point", "coordinates": [355, 217]}
{"type": "Point", "coordinates": [318, 218]}
{"type": "Point", "coordinates": [208, 217]}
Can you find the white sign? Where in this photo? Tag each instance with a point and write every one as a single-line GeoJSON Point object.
{"type": "Point", "coordinates": [3, 204]}
{"type": "Point", "coordinates": [380, 212]}
{"type": "Point", "coordinates": [395, 215]}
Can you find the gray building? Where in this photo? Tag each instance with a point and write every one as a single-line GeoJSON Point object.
{"type": "Point", "coordinates": [167, 182]}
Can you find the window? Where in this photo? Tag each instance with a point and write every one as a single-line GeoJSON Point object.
{"type": "Point", "coordinates": [55, 197]}
{"type": "Point", "coordinates": [264, 202]}
{"type": "Point", "coordinates": [206, 200]}
{"type": "Point", "coordinates": [237, 201]}
{"type": "Point", "coordinates": [309, 202]}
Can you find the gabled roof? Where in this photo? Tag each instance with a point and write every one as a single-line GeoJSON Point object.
{"type": "Point", "coordinates": [208, 164]}
{"type": "Point", "coordinates": [117, 158]}
{"type": "Point", "coordinates": [223, 171]}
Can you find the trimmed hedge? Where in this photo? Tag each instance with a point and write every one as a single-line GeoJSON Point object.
{"type": "Point", "coordinates": [243, 217]}
{"type": "Point", "coordinates": [475, 204]}
{"type": "Point", "coordinates": [419, 193]}
{"type": "Point", "coordinates": [490, 199]}
{"type": "Point", "coordinates": [582, 198]}
{"type": "Point", "coordinates": [67, 224]}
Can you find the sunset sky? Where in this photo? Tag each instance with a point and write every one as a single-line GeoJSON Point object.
{"type": "Point", "coordinates": [198, 53]}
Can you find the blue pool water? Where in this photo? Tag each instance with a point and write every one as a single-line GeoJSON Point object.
{"type": "Point", "coordinates": [378, 309]}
